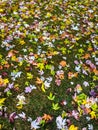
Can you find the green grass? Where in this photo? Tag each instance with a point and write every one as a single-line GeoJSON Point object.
{"type": "Point", "coordinates": [61, 18]}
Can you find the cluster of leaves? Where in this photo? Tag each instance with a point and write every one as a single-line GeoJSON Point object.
{"type": "Point", "coordinates": [48, 64]}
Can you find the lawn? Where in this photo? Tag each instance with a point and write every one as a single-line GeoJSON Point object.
{"type": "Point", "coordinates": [49, 64]}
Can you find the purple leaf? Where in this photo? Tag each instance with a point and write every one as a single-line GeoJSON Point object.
{"type": "Point", "coordinates": [93, 93]}
{"type": "Point", "coordinates": [28, 90]}
{"type": "Point", "coordinates": [4, 74]}
{"type": "Point", "coordinates": [58, 82]}
{"type": "Point", "coordinates": [6, 90]}
{"type": "Point", "coordinates": [11, 85]}
{"type": "Point", "coordinates": [12, 117]}
{"type": "Point", "coordinates": [76, 62]}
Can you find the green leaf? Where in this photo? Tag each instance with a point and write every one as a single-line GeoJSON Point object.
{"type": "Point", "coordinates": [9, 93]}
{"type": "Point", "coordinates": [95, 78]}
{"type": "Point", "coordinates": [55, 106]}
{"type": "Point", "coordinates": [26, 83]}
{"type": "Point", "coordinates": [52, 72]}
{"type": "Point", "coordinates": [94, 107]}
{"type": "Point", "coordinates": [42, 122]}
{"type": "Point", "coordinates": [81, 50]}
{"type": "Point", "coordinates": [82, 96]}
{"type": "Point", "coordinates": [64, 114]}
{"type": "Point", "coordinates": [51, 97]}
{"type": "Point", "coordinates": [39, 59]}
{"type": "Point", "coordinates": [48, 67]}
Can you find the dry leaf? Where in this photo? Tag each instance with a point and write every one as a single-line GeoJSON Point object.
{"type": "Point", "coordinates": [7, 66]}
{"type": "Point", "coordinates": [1, 81]}
{"type": "Point", "coordinates": [39, 81]}
{"type": "Point", "coordinates": [63, 63]}
{"type": "Point", "coordinates": [95, 71]}
{"type": "Point", "coordinates": [10, 54]}
{"type": "Point", "coordinates": [1, 67]}
{"type": "Point", "coordinates": [86, 56]}
{"type": "Point", "coordinates": [47, 117]}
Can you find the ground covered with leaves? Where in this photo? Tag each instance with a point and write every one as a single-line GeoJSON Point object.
{"type": "Point", "coordinates": [49, 64]}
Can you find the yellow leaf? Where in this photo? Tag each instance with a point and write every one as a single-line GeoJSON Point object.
{"type": "Point", "coordinates": [1, 10]}
{"type": "Point", "coordinates": [0, 126]}
{"type": "Point", "coordinates": [2, 101]}
{"type": "Point", "coordinates": [93, 114]}
{"type": "Point", "coordinates": [43, 88]}
{"type": "Point", "coordinates": [40, 66]}
{"type": "Point", "coordinates": [84, 102]}
{"type": "Point", "coordinates": [72, 127]}
{"type": "Point", "coordinates": [48, 15]}
{"type": "Point", "coordinates": [22, 42]}
{"type": "Point", "coordinates": [20, 63]}
{"type": "Point", "coordinates": [13, 58]}
{"type": "Point", "coordinates": [29, 76]}
{"type": "Point", "coordinates": [19, 106]}
{"type": "Point", "coordinates": [6, 81]}
{"type": "Point", "coordinates": [68, 22]}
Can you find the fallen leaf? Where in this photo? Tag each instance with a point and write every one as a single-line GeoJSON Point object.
{"type": "Point", "coordinates": [1, 67]}
{"type": "Point", "coordinates": [46, 117]}
{"type": "Point", "coordinates": [72, 127]}
{"type": "Point", "coordinates": [39, 81]}
{"type": "Point", "coordinates": [2, 101]}
{"type": "Point", "coordinates": [86, 56]}
{"type": "Point", "coordinates": [63, 63]}
{"type": "Point", "coordinates": [43, 88]}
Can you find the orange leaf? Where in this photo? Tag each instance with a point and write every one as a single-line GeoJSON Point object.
{"type": "Point", "coordinates": [61, 76]}
{"type": "Point", "coordinates": [63, 35]}
{"type": "Point", "coordinates": [63, 63]}
{"type": "Point", "coordinates": [7, 65]}
{"type": "Point", "coordinates": [86, 56]}
{"type": "Point", "coordinates": [75, 74]}
{"type": "Point", "coordinates": [54, 18]}
{"type": "Point", "coordinates": [71, 75]}
{"type": "Point", "coordinates": [41, 39]}
{"type": "Point", "coordinates": [35, 55]}
{"type": "Point", "coordinates": [95, 71]}
{"type": "Point", "coordinates": [47, 117]}
{"type": "Point", "coordinates": [1, 67]}
{"type": "Point", "coordinates": [90, 49]}
{"type": "Point", "coordinates": [52, 37]}
{"type": "Point", "coordinates": [87, 110]}
{"type": "Point", "coordinates": [10, 54]}
{"type": "Point", "coordinates": [39, 81]}
{"type": "Point", "coordinates": [1, 81]}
